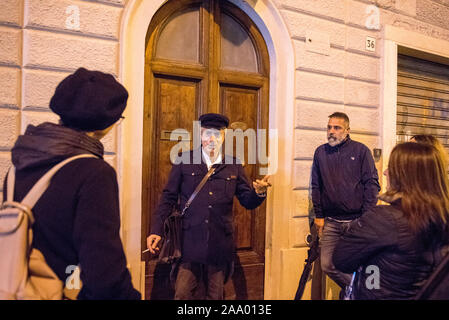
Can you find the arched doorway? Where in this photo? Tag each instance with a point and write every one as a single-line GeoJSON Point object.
{"type": "Point", "coordinates": [203, 56]}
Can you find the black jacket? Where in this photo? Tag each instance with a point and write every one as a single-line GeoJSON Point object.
{"type": "Point", "coordinates": [77, 219]}
{"type": "Point", "coordinates": [344, 180]}
{"type": "Point", "coordinates": [382, 238]}
{"type": "Point", "coordinates": [208, 223]}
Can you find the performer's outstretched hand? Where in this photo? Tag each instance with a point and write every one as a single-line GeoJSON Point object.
{"type": "Point", "coordinates": [261, 185]}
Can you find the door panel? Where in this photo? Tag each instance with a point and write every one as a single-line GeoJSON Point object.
{"type": "Point", "coordinates": [180, 37]}
{"type": "Point", "coordinates": [176, 106]}
{"type": "Point", "coordinates": [237, 48]}
{"type": "Point", "coordinates": [241, 106]}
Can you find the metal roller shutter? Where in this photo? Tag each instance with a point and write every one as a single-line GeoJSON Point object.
{"type": "Point", "coordinates": [423, 99]}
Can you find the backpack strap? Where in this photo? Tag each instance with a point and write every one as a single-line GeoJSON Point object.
{"type": "Point", "coordinates": [41, 185]}
{"type": "Point", "coordinates": [10, 184]}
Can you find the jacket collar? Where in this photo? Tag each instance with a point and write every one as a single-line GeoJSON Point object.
{"type": "Point", "coordinates": [342, 144]}
{"type": "Point", "coordinates": [202, 166]}
{"type": "Point", "coordinates": [207, 159]}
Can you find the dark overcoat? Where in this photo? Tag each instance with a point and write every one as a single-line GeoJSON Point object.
{"type": "Point", "coordinates": [208, 231]}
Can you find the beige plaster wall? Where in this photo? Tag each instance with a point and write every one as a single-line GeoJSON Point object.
{"type": "Point", "coordinates": [41, 42]}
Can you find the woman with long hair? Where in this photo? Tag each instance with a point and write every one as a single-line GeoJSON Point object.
{"type": "Point", "coordinates": [395, 247]}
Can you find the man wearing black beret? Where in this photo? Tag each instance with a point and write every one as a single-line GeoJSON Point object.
{"type": "Point", "coordinates": [207, 239]}
{"type": "Point", "coordinates": [77, 219]}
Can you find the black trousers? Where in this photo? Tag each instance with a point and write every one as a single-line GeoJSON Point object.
{"type": "Point", "coordinates": [192, 277]}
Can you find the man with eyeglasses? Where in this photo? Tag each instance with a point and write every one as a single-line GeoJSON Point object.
{"type": "Point", "coordinates": [208, 242]}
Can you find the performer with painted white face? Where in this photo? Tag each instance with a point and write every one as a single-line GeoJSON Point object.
{"type": "Point", "coordinates": [208, 230]}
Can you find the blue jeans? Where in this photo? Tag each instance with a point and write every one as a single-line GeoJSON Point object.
{"type": "Point", "coordinates": [332, 231]}
{"type": "Point", "coordinates": [191, 276]}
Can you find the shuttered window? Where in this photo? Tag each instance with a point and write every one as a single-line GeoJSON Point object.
{"type": "Point", "coordinates": [423, 99]}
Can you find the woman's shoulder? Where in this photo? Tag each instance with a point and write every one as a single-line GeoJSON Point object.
{"type": "Point", "coordinates": [92, 170]}
{"type": "Point", "coordinates": [382, 217]}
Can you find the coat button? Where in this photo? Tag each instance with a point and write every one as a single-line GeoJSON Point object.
{"type": "Point", "coordinates": [206, 221]}
{"type": "Point", "coordinates": [210, 207]}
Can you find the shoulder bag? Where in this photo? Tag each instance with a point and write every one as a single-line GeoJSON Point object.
{"type": "Point", "coordinates": [172, 239]}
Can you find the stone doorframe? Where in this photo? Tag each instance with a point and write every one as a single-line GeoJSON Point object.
{"type": "Point", "coordinates": [135, 21]}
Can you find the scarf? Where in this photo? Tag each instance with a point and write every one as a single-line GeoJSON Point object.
{"type": "Point", "coordinates": [49, 143]}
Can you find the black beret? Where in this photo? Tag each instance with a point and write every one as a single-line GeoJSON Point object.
{"type": "Point", "coordinates": [214, 120]}
{"type": "Point", "coordinates": [89, 100]}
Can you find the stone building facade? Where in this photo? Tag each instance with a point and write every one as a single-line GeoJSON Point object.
{"type": "Point", "coordinates": [325, 56]}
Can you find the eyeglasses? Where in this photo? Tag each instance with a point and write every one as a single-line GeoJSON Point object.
{"type": "Point", "coordinates": [120, 120]}
{"type": "Point", "coordinates": [211, 132]}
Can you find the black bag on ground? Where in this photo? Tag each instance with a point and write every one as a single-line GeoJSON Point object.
{"type": "Point", "coordinates": [171, 249]}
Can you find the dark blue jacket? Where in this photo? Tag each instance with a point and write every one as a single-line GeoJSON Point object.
{"type": "Point", "coordinates": [344, 180]}
{"type": "Point", "coordinates": [208, 223]}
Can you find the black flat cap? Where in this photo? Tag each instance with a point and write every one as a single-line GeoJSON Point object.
{"type": "Point", "coordinates": [89, 100]}
{"type": "Point", "coordinates": [214, 120]}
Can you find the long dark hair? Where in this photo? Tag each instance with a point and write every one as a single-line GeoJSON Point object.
{"type": "Point", "coordinates": [417, 173]}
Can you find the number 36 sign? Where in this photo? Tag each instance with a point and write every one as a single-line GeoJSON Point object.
{"type": "Point", "coordinates": [370, 44]}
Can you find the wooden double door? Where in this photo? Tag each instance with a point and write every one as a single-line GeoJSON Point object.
{"type": "Point", "coordinates": [204, 56]}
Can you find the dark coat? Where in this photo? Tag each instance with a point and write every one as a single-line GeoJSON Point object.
{"type": "Point", "coordinates": [77, 219]}
{"type": "Point", "coordinates": [78, 223]}
{"type": "Point", "coordinates": [208, 223]}
{"type": "Point", "coordinates": [382, 238]}
{"type": "Point", "coordinates": [344, 180]}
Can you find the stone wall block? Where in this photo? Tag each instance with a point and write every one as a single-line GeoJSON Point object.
{"type": "Point", "coordinates": [302, 170]}
{"type": "Point", "coordinates": [320, 87]}
{"type": "Point", "coordinates": [299, 24]}
{"type": "Point", "coordinates": [10, 12]}
{"type": "Point", "coordinates": [9, 87]}
{"type": "Point", "coordinates": [334, 63]}
{"type": "Point", "coordinates": [306, 141]}
{"type": "Point", "coordinates": [39, 86]}
{"type": "Point", "coordinates": [311, 114]}
{"type": "Point", "coordinates": [64, 52]}
{"type": "Point", "coordinates": [91, 18]}
{"type": "Point", "coordinates": [10, 46]}
{"type": "Point", "coordinates": [9, 122]}
{"type": "Point", "coordinates": [361, 93]}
